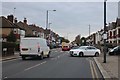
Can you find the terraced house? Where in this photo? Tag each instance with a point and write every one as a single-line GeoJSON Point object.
{"type": "Point", "coordinates": [114, 32]}
{"type": "Point", "coordinates": [9, 26]}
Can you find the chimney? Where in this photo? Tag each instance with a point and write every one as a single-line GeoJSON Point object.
{"type": "Point", "coordinates": [10, 18]}
{"type": "Point", "coordinates": [15, 20]}
{"type": "Point", "coordinates": [25, 21]}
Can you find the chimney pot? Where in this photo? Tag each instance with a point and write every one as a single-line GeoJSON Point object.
{"type": "Point", "coordinates": [10, 18]}
{"type": "Point", "coordinates": [25, 20]}
{"type": "Point", "coordinates": [15, 20]}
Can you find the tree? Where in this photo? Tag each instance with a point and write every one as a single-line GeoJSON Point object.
{"type": "Point", "coordinates": [77, 40]}
{"type": "Point", "coordinates": [65, 40]}
{"type": "Point", "coordinates": [83, 41]}
{"type": "Point", "coordinates": [11, 37]}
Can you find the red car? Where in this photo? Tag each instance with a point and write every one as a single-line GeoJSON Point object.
{"type": "Point", "coordinates": [65, 48]}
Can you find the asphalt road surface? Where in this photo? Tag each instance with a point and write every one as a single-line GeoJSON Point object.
{"type": "Point", "coordinates": [59, 65]}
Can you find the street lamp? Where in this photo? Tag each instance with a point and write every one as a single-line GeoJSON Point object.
{"type": "Point", "coordinates": [50, 36]}
{"type": "Point", "coordinates": [48, 24]}
{"type": "Point", "coordinates": [89, 34]}
{"type": "Point", "coordinates": [47, 16]}
{"type": "Point", "coordinates": [14, 11]}
{"type": "Point", "coordinates": [104, 61]}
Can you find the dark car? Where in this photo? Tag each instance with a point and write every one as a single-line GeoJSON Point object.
{"type": "Point", "coordinates": [115, 50]}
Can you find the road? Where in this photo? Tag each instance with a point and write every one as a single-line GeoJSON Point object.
{"type": "Point", "coordinates": [59, 65]}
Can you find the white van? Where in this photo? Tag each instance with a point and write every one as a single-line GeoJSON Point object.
{"type": "Point", "coordinates": [31, 46]}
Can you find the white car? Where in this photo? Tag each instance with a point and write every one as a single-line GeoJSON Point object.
{"type": "Point", "coordinates": [85, 51]}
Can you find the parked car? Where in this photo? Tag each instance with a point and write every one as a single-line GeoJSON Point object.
{"type": "Point", "coordinates": [30, 47]}
{"type": "Point", "coordinates": [85, 51]}
{"type": "Point", "coordinates": [75, 47]}
{"type": "Point", "coordinates": [115, 50]}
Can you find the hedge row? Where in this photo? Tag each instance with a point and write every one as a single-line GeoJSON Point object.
{"type": "Point", "coordinates": [8, 45]}
{"type": "Point", "coordinates": [10, 48]}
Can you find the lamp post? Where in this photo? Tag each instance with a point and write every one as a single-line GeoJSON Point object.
{"type": "Point", "coordinates": [47, 21]}
{"type": "Point", "coordinates": [47, 16]}
{"type": "Point", "coordinates": [89, 35]}
{"type": "Point", "coordinates": [50, 36]}
{"type": "Point", "coordinates": [14, 11]}
{"type": "Point", "coordinates": [104, 36]}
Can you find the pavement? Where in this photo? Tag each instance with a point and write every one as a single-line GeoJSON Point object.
{"type": "Point", "coordinates": [109, 69]}
{"type": "Point", "coordinates": [16, 55]}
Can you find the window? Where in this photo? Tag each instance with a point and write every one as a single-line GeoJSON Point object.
{"type": "Point", "coordinates": [118, 32]}
{"type": "Point", "coordinates": [119, 41]}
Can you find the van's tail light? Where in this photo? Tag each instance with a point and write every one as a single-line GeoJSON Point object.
{"type": "Point", "coordinates": [24, 49]}
{"type": "Point", "coordinates": [38, 48]}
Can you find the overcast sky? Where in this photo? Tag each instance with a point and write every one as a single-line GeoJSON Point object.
{"type": "Point", "coordinates": [69, 19]}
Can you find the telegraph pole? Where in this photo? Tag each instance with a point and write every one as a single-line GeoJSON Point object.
{"type": "Point", "coordinates": [104, 61]}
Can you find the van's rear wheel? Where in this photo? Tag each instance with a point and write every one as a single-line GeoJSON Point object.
{"type": "Point", "coordinates": [41, 56]}
{"type": "Point", "coordinates": [23, 57]}
{"type": "Point", "coordinates": [48, 54]}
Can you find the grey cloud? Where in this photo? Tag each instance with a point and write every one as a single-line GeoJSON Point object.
{"type": "Point", "coordinates": [70, 17]}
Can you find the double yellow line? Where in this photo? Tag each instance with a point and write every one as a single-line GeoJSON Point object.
{"type": "Point", "coordinates": [93, 71]}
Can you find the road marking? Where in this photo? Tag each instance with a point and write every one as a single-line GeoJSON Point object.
{"type": "Point", "coordinates": [58, 57]}
{"type": "Point", "coordinates": [5, 77]}
{"type": "Point", "coordinates": [93, 71]}
{"type": "Point", "coordinates": [35, 66]}
{"type": "Point", "coordinates": [53, 58]}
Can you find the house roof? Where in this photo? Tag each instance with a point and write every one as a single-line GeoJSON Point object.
{"type": "Point", "coordinates": [6, 23]}
{"type": "Point", "coordinates": [118, 22]}
{"type": "Point", "coordinates": [36, 28]}
{"type": "Point", "coordinates": [112, 25]}
{"type": "Point", "coordinates": [25, 27]}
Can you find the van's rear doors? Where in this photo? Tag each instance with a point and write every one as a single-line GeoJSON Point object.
{"type": "Point", "coordinates": [29, 46]}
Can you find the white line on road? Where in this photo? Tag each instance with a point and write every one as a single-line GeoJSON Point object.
{"type": "Point", "coordinates": [35, 66]}
{"type": "Point", "coordinates": [5, 77]}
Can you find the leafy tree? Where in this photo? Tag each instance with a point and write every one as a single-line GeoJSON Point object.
{"type": "Point", "coordinates": [65, 40]}
{"type": "Point", "coordinates": [11, 37]}
{"type": "Point", "coordinates": [77, 40]}
{"type": "Point", "coordinates": [83, 41]}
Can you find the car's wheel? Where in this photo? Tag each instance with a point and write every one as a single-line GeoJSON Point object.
{"type": "Point", "coordinates": [81, 54]}
{"type": "Point", "coordinates": [71, 55]}
{"type": "Point", "coordinates": [48, 55]}
{"type": "Point", "coordinates": [41, 56]}
{"type": "Point", "coordinates": [96, 54]}
{"type": "Point", "coordinates": [23, 57]}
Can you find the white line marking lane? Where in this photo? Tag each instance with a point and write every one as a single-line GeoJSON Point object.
{"type": "Point", "coordinates": [35, 66]}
